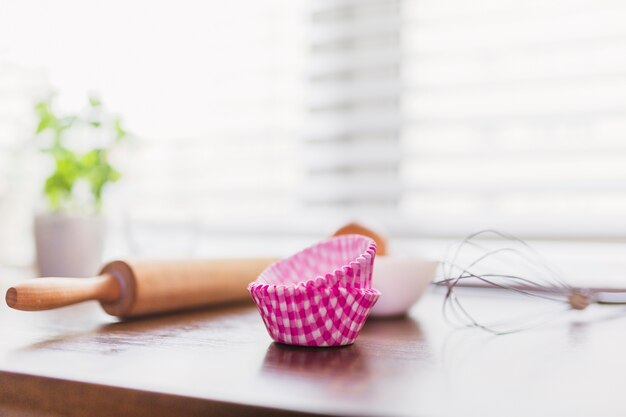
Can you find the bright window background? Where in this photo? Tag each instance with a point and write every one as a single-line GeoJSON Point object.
{"type": "Point", "coordinates": [212, 93]}
{"type": "Point", "coordinates": [515, 116]}
{"type": "Point", "coordinates": [271, 121]}
{"type": "Point", "coordinates": [466, 115]}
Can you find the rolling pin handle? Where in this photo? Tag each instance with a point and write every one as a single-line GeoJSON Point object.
{"type": "Point", "coordinates": [48, 293]}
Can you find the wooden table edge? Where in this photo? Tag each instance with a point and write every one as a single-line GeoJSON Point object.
{"type": "Point", "coordinates": [33, 395]}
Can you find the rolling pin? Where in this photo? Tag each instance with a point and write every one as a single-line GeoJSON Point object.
{"type": "Point", "coordinates": [128, 289]}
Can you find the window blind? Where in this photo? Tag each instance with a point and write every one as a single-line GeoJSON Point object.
{"type": "Point", "coordinates": [283, 118]}
{"type": "Point", "coordinates": [354, 126]}
{"type": "Point", "coordinates": [479, 114]}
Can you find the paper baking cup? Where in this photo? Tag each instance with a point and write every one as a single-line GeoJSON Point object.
{"type": "Point", "coordinates": [320, 296]}
{"type": "Point", "coordinates": [314, 316]}
{"type": "Point", "coordinates": [346, 260]}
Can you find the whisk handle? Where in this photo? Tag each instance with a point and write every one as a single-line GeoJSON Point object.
{"type": "Point", "coordinates": [605, 297]}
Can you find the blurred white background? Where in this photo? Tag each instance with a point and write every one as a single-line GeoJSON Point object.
{"type": "Point", "coordinates": [278, 120]}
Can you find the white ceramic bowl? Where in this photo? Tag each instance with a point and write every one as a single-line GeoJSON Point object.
{"type": "Point", "coordinates": [401, 281]}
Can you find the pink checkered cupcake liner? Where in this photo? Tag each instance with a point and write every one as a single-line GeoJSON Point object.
{"type": "Point", "coordinates": [320, 296]}
{"type": "Point", "coordinates": [346, 260]}
{"type": "Point", "coordinates": [314, 316]}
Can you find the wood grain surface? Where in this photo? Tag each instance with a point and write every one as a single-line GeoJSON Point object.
{"type": "Point", "coordinates": [79, 361]}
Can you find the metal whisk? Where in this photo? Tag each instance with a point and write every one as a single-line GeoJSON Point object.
{"type": "Point", "coordinates": [513, 266]}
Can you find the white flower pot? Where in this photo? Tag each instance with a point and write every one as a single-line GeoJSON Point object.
{"type": "Point", "coordinates": [69, 246]}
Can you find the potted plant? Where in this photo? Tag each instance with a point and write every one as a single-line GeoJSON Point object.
{"type": "Point", "coordinates": [69, 234]}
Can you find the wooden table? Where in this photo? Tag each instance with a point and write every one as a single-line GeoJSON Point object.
{"type": "Point", "coordinates": [77, 361]}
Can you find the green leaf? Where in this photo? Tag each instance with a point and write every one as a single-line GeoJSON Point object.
{"type": "Point", "coordinates": [120, 133]}
{"type": "Point", "coordinates": [47, 119]}
{"type": "Point", "coordinates": [114, 175]}
{"type": "Point", "coordinates": [67, 122]}
{"type": "Point", "coordinates": [95, 101]}
{"type": "Point", "coordinates": [43, 108]}
{"type": "Point", "coordinates": [43, 125]}
{"type": "Point", "coordinates": [91, 159]}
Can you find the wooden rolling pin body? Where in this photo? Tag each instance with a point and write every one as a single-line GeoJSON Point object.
{"type": "Point", "coordinates": [127, 289]}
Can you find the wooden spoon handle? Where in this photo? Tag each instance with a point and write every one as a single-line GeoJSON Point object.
{"type": "Point", "coordinates": [47, 293]}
